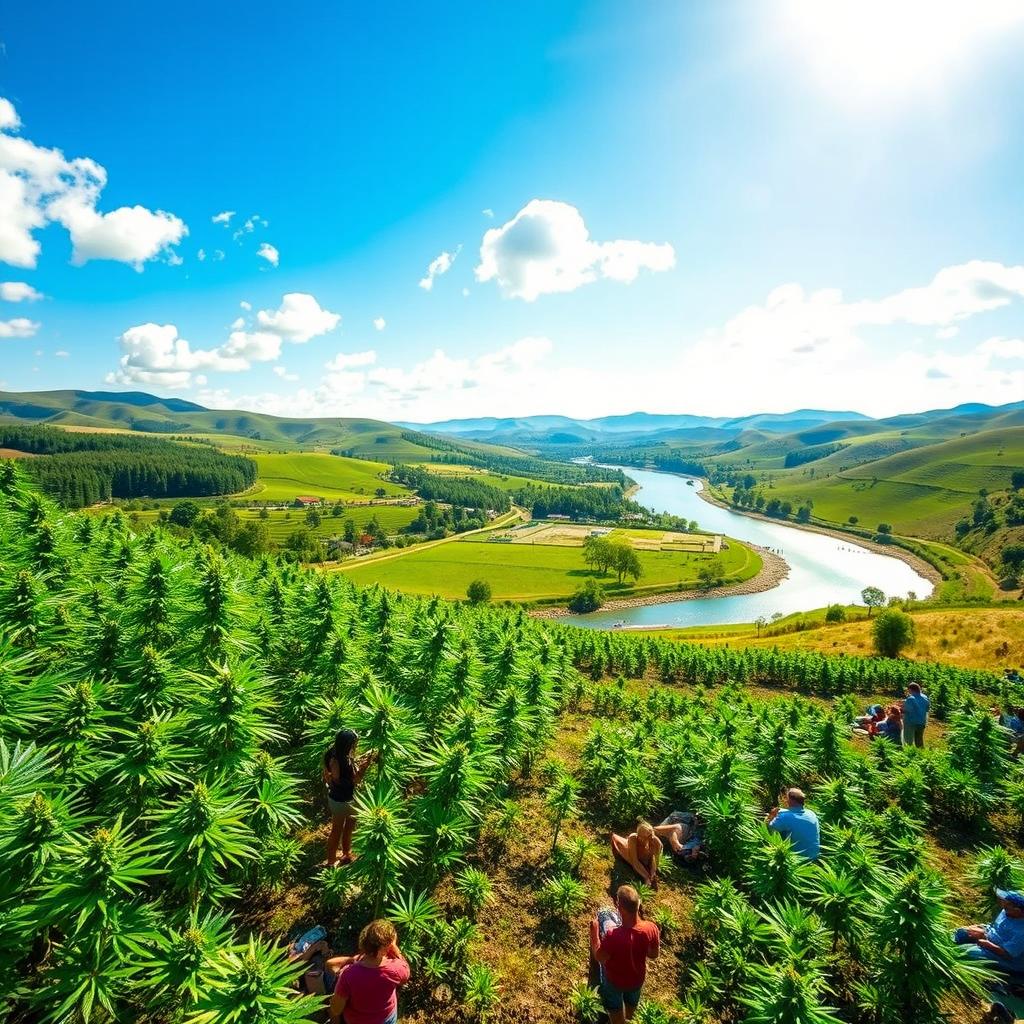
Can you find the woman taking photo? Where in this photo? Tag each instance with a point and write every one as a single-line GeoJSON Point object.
{"type": "Point", "coordinates": [342, 773]}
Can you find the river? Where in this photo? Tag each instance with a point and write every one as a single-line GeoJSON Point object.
{"type": "Point", "coordinates": [822, 570]}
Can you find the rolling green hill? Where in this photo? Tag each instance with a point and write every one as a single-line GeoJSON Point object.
{"type": "Point", "coordinates": [134, 411]}
{"type": "Point", "coordinates": [284, 477]}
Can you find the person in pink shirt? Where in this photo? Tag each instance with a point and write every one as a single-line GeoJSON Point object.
{"type": "Point", "coordinates": [367, 989]}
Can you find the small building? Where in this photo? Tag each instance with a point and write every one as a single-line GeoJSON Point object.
{"type": "Point", "coordinates": [558, 517]}
{"type": "Point", "coordinates": [305, 499]}
{"type": "Point", "coordinates": [366, 540]}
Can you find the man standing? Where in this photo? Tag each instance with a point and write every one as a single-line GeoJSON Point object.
{"type": "Point", "coordinates": [622, 944]}
{"type": "Point", "coordinates": [915, 715]}
{"type": "Point", "coordinates": [797, 824]}
{"type": "Point", "coordinates": [1000, 943]}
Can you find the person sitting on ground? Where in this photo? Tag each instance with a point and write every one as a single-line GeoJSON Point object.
{"type": "Point", "coordinates": [892, 728]}
{"type": "Point", "coordinates": [321, 975]}
{"type": "Point", "coordinates": [798, 824]}
{"type": "Point", "coordinates": [622, 943]}
{"type": "Point", "coordinates": [684, 831]}
{"type": "Point", "coordinates": [915, 715]}
{"type": "Point", "coordinates": [641, 850]}
{"type": "Point", "coordinates": [367, 989]}
{"type": "Point", "coordinates": [874, 715]}
{"type": "Point", "coordinates": [1000, 943]}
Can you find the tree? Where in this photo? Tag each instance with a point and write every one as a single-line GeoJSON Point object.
{"type": "Point", "coordinates": [892, 632]}
{"type": "Point", "coordinates": [304, 546]}
{"type": "Point", "coordinates": [349, 531]}
{"type": "Point", "coordinates": [853, 520]}
{"type": "Point", "coordinates": [835, 613]}
{"type": "Point", "coordinates": [479, 592]}
{"type": "Point", "coordinates": [1017, 479]}
{"type": "Point", "coordinates": [803, 513]}
{"type": "Point", "coordinates": [873, 598]}
{"type": "Point", "coordinates": [760, 622]}
{"type": "Point", "coordinates": [885, 528]}
{"type": "Point", "coordinates": [312, 518]}
{"type": "Point", "coordinates": [597, 552]}
{"type": "Point", "coordinates": [380, 492]}
{"type": "Point", "coordinates": [1013, 556]}
{"type": "Point", "coordinates": [184, 513]}
{"type": "Point", "coordinates": [253, 539]}
{"type": "Point", "coordinates": [626, 561]}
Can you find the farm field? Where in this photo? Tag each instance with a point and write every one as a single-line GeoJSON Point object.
{"type": "Point", "coordinates": [540, 572]}
{"type": "Point", "coordinates": [573, 535]}
{"type": "Point", "coordinates": [283, 477]}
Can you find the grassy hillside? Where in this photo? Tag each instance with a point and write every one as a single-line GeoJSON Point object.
{"type": "Point", "coordinates": [982, 638]}
{"type": "Point", "coordinates": [149, 414]}
{"type": "Point", "coordinates": [283, 477]}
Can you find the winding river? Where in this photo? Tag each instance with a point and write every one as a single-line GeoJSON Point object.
{"type": "Point", "coordinates": [822, 569]}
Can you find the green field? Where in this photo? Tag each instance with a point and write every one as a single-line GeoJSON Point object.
{"type": "Point", "coordinates": [503, 482]}
{"type": "Point", "coordinates": [283, 477]}
{"type": "Point", "coordinates": [526, 572]}
{"type": "Point", "coordinates": [281, 522]}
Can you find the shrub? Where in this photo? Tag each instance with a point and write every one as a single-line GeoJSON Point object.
{"type": "Point", "coordinates": [893, 632]}
{"type": "Point", "coordinates": [835, 613]}
{"type": "Point", "coordinates": [588, 598]}
{"type": "Point", "coordinates": [478, 592]}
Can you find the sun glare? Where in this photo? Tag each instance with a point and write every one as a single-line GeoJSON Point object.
{"type": "Point", "coordinates": [872, 51]}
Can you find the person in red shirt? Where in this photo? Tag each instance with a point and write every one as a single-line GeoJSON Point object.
{"type": "Point", "coordinates": [622, 944]}
{"type": "Point", "coordinates": [367, 989]}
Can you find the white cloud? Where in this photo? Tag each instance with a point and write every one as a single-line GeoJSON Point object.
{"type": "Point", "coordinates": [546, 248]}
{"type": "Point", "coordinates": [40, 185]}
{"type": "Point", "coordinates": [19, 327]}
{"type": "Point", "coordinates": [267, 252]}
{"type": "Point", "coordinates": [224, 217]}
{"type": "Point", "coordinates": [61, 354]}
{"type": "Point", "coordinates": [156, 354]}
{"type": "Point", "coordinates": [299, 318]}
{"type": "Point", "coordinates": [488, 212]}
{"type": "Point", "coordinates": [245, 305]}
{"type": "Point", "coordinates": [249, 226]}
{"type": "Point", "coordinates": [439, 265]}
{"type": "Point", "coordinates": [1003, 348]}
{"type": "Point", "coordinates": [353, 385]}
{"type": "Point", "coordinates": [349, 360]}
{"type": "Point", "coordinates": [218, 255]}
{"type": "Point", "coordinates": [8, 115]}
{"type": "Point", "coordinates": [379, 323]}
{"type": "Point", "coordinates": [945, 333]}
{"type": "Point", "coordinates": [281, 372]}
{"type": "Point", "coordinates": [201, 255]}
{"type": "Point", "coordinates": [18, 291]}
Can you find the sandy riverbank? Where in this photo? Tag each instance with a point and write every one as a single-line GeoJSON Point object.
{"type": "Point", "coordinates": [919, 565]}
{"type": "Point", "coordinates": [773, 571]}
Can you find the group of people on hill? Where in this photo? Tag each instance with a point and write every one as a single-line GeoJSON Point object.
{"type": "Point", "coordinates": [902, 722]}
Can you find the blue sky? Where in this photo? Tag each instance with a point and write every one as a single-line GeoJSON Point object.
{"type": "Point", "coordinates": [680, 207]}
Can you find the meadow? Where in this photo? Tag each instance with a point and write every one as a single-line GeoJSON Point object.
{"type": "Point", "coordinates": [283, 477]}
{"type": "Point", "coordinates": [536, 572]}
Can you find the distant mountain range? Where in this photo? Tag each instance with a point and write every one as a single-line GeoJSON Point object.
{"type": "Point", "coordinates": [566, 430]}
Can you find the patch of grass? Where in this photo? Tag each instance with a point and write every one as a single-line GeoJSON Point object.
{"type": "Point", "coordinates": [283, 477]}
{"type": "Point", "coordinates": [523, 572]}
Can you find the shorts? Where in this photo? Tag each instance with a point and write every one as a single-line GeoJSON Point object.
{"type": "Point", "coordinates": [613, 998]}
{"type": "Point", "coordinates": [341, 808]}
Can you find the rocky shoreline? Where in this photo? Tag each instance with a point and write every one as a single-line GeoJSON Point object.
{"type": "Point", "coordinates": [773, 571]}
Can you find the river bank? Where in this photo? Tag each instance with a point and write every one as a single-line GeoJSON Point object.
{"type": "Point", "coordinates": [919, 565]}
{"type": "Point", "coordinates": [773, 571]}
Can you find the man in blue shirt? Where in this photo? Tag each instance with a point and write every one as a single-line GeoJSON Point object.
{"type": "Point", "coordinates": [797, 824]}
{"type": "Point", "coordinates": [1001, 942]}
{"type": "Point", "coordinates": [915, 715]}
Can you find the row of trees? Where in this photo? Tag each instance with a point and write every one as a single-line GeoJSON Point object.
{"type": "Point", "coordinates": [452, 490]}
{"type": "Point", "coordinates": [618, 555]}
{"type": "Point", "coordinates": [81, 469]}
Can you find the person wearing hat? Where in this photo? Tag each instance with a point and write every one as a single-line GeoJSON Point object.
{"type": "Point", "coordinates": [1002, 941]}
{"type": "Point", "coordinates": [341, 774]}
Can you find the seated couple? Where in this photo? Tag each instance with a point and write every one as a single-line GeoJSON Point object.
{"type": "Point", "coordinates": [642, 849]}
